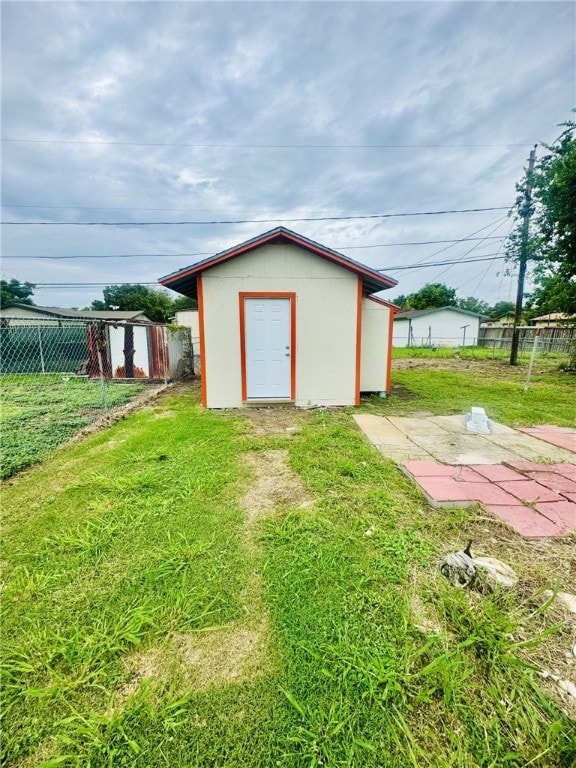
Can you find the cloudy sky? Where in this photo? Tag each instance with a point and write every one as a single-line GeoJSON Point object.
{"type": "Point", "coordinates": [266, 112]}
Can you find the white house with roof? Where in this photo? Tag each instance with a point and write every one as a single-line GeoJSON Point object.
{"type": "Point", "coordinates": [439, 327]}
{"type": "Point", "coordinates": [284, 319]}
{"type": "Point", "coordinates": [32, 314]}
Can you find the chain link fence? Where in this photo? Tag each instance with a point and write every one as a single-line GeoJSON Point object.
{"type": "Point", "coordinates": [60, 376]}
{"type": "Point", "coordinates": [496, 343]}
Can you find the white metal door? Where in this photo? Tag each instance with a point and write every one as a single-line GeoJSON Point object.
{"type": "Point", "coordinates": [268, 352]}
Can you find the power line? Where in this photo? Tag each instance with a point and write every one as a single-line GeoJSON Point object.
{"type": "Point", "coordinates": [488, 257]}
{"type": "Point", "coordinates": [257, 146]}
{"type": "Point", "coordinates": [208, 253]}
{"type": "Point", "coordinates": [247, 221]}
{"type": "Point", "coordinates": [465, 239]}
{"type": "Point", "coordinates": [463, 256]}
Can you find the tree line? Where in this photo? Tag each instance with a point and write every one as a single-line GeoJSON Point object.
{"type": "Point", "coordinates": [434, 295]}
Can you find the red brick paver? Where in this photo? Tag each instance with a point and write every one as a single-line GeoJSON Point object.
{"type": "Point", "coordinates": [513, 494]}
{"type": "Point", "coordinates": [526, 521]}
{"type": "Point", "coordinates": [496, 472]}
{"type": "Point", "coordinates": [563, 513]}
{"type": "Point", "coordinates": [563, 437]}
{"type": "Point", "coordinates": [530, 490]}
{"type": "Point", "coordinates": [555, 481]}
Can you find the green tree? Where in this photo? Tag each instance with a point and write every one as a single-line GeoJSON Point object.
{"type": "Point", "coordinates": [182, 303]}
{"type": "Point", "coordinates": [551, 249]}
{"type": "Point", "coordinates": [15, 292]}
{"type": "Point", "coordinates": [431, 296]}
{"type": "Point", "coordinates": [553, 294]}
{"type": "Point", "coordinates": [400, 301]}
{"type": "Point", "coordinates": [474, 305]}
{"type": "Point", "coordinates": [157, 305]}
{"type": "Point", "coordinates": [552, 241]}
{"type": "Point", "coordinates": [502, 308]}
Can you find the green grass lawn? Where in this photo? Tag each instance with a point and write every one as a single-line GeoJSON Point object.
{"type": "Point", "coordinates": [147, 623]}
{"type": "Point", "coordinates": [492, 384]}
{"type": "Point", "coordinates": [40, 412]}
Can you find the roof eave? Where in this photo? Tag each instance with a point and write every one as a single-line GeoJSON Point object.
{"type": "Point", "coordinates": [183, 281]}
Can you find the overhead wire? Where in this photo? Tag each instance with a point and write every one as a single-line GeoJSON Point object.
{"type": "Point", "coordinates": [208, 253]}
{"type": "Point", "coordinates": [250, 221]}
{"type": "Point", "coordinates": [489, 265]}
{"type": "Point", "coordinates": [253, 146]}
{"type": "Point", "coordinates": [462, 257]}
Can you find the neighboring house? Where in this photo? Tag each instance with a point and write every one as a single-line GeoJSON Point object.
{"type": "Point", "coordinates": [504, 321]}
{"type": "Point", "coordinates": [443, 327]}
{"type": "Point", "coordinates": [283, 319]}
{"type": "Point", "coordinates": [33, 315]}
{"type": "Point", "coordinates": [553, 320]}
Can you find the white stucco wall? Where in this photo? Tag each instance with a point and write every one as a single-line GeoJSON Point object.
{"type": "Point", "coordinates": [326, 315]}
{"type": "Point", "coordinates": [442, 329]}
{"type": "Point", "coordinates": [374, 360]}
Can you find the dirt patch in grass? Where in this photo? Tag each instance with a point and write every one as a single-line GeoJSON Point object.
{"type": "Point", "coordinates": [273, 485]}
{"type": "Point", "coordinates": [272, 421]}
{"type": "Point", "coordinates": [457, 365]}
{"type": "Point", "coordinates": [200, 661]}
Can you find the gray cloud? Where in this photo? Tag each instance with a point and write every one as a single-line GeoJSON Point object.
{"type": "Point", "coordinates": [271, 73]}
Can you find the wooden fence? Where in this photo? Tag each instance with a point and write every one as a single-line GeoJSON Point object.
{"type": "Point", "coordinates": [551, 339]}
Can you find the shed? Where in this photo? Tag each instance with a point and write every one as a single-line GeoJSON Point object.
{"type": "Point", "coordinates": [283, 319]}
{"type": "Point", "coordinates": [442, 326]}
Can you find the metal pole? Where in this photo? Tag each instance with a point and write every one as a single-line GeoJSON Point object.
{"type": "Point", "coordinates": [523, 258]}
{"type": "Point", "coordinates": [41, 350]}
{"type": "Point", "coordinates": [532, 358]}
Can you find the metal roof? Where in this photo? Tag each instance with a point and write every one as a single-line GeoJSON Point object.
{"type": "Point", "coordinates": [407, 314]}
{"type": "Point", "coordinates": [184, 280]}
{"type": "Point", "coordinates": [90, 314]}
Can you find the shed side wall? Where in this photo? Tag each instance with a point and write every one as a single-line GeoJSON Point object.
{"type": "Point", "coordinates": [375, 334]}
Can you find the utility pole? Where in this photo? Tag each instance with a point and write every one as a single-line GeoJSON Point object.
{"type": "Point", "coordinates": [523, 258]}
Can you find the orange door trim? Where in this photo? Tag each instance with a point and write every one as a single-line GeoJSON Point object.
{"type": "Point", "coordinates": [268, 295]}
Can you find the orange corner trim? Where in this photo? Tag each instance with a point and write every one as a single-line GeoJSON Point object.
{"type": "Point", "coordinates": [358, 341]}
{"type": "Point", "coordinates": [203, 385]}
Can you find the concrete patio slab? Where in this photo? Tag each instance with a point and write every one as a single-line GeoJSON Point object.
{"type": "Point", "coordinates": [460, 449]}
{"type": "Point", "coordinates": [529, 447]}
{"type": "Point", "coordinates": [526, 482]}
{"type": "Point", "coordinates": [458, 423]}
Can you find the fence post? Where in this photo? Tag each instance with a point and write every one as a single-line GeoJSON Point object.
{"type": "Point", "coordinates": [41, 350]}
{"type": "Point", "coordinates": [102, 378]}
{"type": "Point", "coordinates": [532, 358]}
{"type": "Point", "coordinates": [164, 343]}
